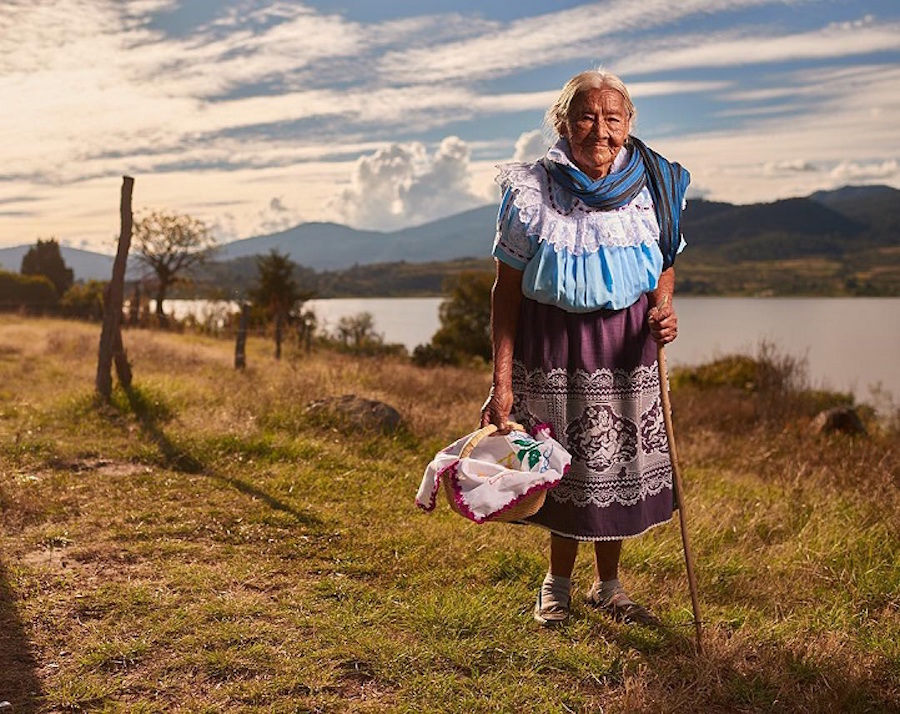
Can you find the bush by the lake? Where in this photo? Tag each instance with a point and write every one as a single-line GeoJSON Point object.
{"type": "Point", "coordinates": [84, 300]}
{"type": "Point", "coordinates": [356, 334]}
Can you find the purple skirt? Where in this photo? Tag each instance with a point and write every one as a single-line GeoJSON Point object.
{"type": "Point", "coordinates": [593, 377]}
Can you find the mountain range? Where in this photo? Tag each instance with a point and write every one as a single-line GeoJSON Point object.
{"type": "Point", "coordinates": [827, 224]}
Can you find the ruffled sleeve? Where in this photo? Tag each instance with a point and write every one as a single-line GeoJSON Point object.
{"type": "Point", "coordinates": [512, 245]}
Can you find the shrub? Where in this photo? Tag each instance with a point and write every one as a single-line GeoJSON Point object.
{"type": "Point", "coordinates": [776, 384]}
{"type": "Point", "coordinates": [31, 292]}
{"type": "Point", "coordinates": [84, 300]}
{"type": "Point", "coordinates": [356, 334]}
{"type": "Point", "coordinates": [429, 355]}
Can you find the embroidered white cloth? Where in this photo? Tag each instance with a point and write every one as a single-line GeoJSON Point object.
{"type": "Point", "coordinates": [498, 474]}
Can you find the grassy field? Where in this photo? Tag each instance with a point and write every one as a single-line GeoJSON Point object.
{"type": "Point", "coordinates": [202, 545]}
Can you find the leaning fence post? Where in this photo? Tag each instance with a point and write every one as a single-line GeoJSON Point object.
{"type": "Point", "coordinates": [110, 335]}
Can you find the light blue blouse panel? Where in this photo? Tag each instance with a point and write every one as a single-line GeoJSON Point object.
{"type": "Point", "coordinates": [611, 277]}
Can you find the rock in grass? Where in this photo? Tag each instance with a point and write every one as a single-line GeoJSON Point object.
{"type": "Point", "coordinates": [839, 419]}
{"type": "Point", "coordinates": [350, 410]}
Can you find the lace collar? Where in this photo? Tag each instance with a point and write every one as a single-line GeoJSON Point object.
{"type": "Point", "coordinates": [545, 210]}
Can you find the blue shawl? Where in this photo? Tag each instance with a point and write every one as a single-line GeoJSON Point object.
{"type": "Point", "coordinates": [667, 183]}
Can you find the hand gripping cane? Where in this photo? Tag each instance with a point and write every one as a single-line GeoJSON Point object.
{"type": "Point", "coordinates": [676, 482]}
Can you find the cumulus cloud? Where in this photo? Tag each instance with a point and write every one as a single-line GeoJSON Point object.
{"type": "Point", "coordinates": [530, 145]}
{"type": "Point", "coordinates": [402, 185]}
{"type": "Point", "coordinates": [859, 171]}
{"type": "Point", "coordinates": [224, 227]}
{"type": "Point", "coordinates": [277, 216]}
{"type": "Point", "coordinates": [695, 193]}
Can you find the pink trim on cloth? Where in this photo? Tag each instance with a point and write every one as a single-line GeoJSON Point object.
{"type": "Point", "coordinates": [498, 473]}
{"type": "Point", "coordinates": [544, 426]}
{"type": "Point", "coordinates": [432, 499]}
{"type": "Point", "coordinates": [464, 507]}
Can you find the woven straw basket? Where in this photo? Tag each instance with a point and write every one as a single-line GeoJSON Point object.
{"type": "Point", "coordinates": [528, 506]}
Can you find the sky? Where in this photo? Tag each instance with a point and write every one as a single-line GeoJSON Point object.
{"type": "Point", "coordinates": [256, 116]}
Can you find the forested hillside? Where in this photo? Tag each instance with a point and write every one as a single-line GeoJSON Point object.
{"type": "Point", "coordinates": [841, 242]}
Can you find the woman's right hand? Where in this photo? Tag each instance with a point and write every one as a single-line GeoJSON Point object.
{"type": "Point", "coordinates": [497, 407]}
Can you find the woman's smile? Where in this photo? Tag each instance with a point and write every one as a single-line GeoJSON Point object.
{"type": "Point", "coordinates": [597, 127]}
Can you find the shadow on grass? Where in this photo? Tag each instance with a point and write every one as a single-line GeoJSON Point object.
{"type": "Point", "coordinates": [151, 413]}
{"type": "Point", "coordinates": [19, 684]}
{"type": "Point", "coordinates": [742, 675]}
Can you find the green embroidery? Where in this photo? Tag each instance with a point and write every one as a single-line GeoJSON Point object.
{"type": "Point", "coordinates": [532, 451]}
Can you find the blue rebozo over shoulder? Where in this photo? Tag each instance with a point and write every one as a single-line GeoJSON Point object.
{"type": "Point", "coordinates": [573, 255]}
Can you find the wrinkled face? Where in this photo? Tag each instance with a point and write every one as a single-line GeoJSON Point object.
{"type": "Point", "coordinates": [597, 127]}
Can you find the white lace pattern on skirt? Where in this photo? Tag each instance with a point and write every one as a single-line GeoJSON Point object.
{"type": "Point", "coordinates": [611, 423]}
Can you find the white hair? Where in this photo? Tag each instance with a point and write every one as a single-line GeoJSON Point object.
{"type": "Point", "coordinates": [557, 115]}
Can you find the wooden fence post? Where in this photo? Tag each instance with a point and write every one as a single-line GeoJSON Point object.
{"type": "Point", "coordinates": [134, 308]}
{"type": "Point", "coordinates": [111, 335]}
{"type": "Point", "coordinates": [240, 346]}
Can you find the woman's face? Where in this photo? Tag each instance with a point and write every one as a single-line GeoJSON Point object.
{"type": "Point", "coordinates": [597, 127]}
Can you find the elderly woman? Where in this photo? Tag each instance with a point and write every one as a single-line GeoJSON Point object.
{"type": "Point", "coordinates": [585, 245]}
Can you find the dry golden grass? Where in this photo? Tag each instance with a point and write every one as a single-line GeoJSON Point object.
{"type": "Point", "coordinates": [200, 545]}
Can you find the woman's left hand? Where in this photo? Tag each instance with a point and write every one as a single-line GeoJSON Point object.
{"type": "Point", "coordinates": [663, 322]}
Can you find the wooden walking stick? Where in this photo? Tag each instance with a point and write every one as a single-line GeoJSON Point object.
{"type": "Point", "coordinates": [679, 490]}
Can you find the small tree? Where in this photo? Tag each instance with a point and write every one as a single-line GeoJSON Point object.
{"type": "Point", "coordinates": [357, 331]}
{"type": "Point", "coordinates": [170, 244]}
{"type": "Point", "coordinates": [46, 259]}
{"type": "Point", "coordinates": [277, 292]}
{"type": "Point", "coordinates": [465, 315]}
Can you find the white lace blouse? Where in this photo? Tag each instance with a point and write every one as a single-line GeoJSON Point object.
{"type": "Point", "coordinates": [573, 256]}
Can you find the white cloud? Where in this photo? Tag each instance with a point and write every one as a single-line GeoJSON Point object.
{"type": "Point", "coordinates": [402, 185]}
{"type": "Point", "coordinates": [866, 171]}
{"type": "Point", "coordinates": [278, 216]}
{"type": "Point", "coordinates": [695, 192]}
{"type": "Point", "coordinates": [213, 63]}
{"type": "Point", "coordinates": [743, 48]}
{"type": "Point", "coordinates": [547, 39]}
{"type": "Point", "coordinates": [530, 146]}
{"type": "Point", "coordinates": [838, 133]}
{"type": "Point", "coordinates": [373, 196]}
{"type": "Point", "coordinates": [444, 187]}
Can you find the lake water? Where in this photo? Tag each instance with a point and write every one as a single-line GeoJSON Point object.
{"type": "Point", "coordinates": [850, 344]}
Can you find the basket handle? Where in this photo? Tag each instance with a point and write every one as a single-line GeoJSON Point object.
{"type": "Point", "coordinates": [484, 431]}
